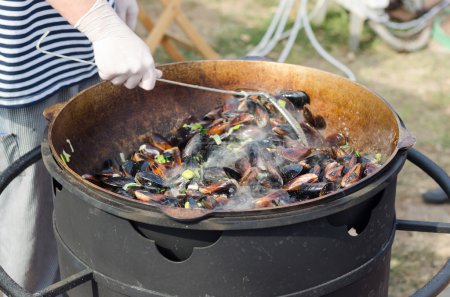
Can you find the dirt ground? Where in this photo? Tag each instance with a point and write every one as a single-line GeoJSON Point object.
{"type": "Point", "coordinates": [417, 85]}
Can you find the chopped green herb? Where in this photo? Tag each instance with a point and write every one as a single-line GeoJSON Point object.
{"type": "Point", "coordinates": [63, 159]}
{"type": "Point", "coordinates": [185, 126]}
{"type": "Point", "coordinates": [66, 156]}
{"type": "Point", "coordinates": [204, 130]}
{"type": "Point", "coordinates": [197, 173]}
{"type": "Point", "coordinates": [345, 146]}
{"type": "Point", "coordinates": [217, 139]}
{"type": "Point", "coordinates": [378, 157]}
{"type": "Point", "coordinates": [187, 174]}
{"type": "Point", "coordinates": [236, 127]}
{"type": "Point", "coordinates": [281, 103]}
{"type": "Point", "coordinates": [130, 185]}
{"type": "Point", "coordinates": [196, 126]}
{"type": "Point", "coordinates": [160, 159]}
{"type": "Point", "coordinates": [357, 153]}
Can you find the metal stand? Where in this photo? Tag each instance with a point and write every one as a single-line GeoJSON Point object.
{"type": "Point", "coordinates": [436, 285]}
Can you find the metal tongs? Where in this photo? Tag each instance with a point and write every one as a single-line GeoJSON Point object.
{"type": "Point", "coordinates": [261, 95]}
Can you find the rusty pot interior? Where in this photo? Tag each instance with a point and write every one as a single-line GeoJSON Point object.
{"type": "Point", "coordinates": [105, 120]}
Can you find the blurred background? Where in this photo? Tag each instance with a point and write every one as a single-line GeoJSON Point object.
{"type": "Point", "coordinates": [399, 49]}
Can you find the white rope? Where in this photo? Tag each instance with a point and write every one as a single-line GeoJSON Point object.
{"type": "Point", "coordinates": [319, 48]}
{"type": "Point", "coordinates": [413, 23]}
{"type": "Point", "coordinates": [276, 19]}
{"type": "Point", "coordinates": [292, 36]}
{"type": "Point", "coordinates": [280, 29]}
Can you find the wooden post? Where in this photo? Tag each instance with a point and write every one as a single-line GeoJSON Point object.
{"type": "Point", "coordinates": [159, 35]}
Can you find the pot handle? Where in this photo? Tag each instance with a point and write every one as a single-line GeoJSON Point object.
{"type": "Point", "coordinates": [440, 281]}
{"type": "Point", "coordinates": [7, 284]}
{"type": "Point", "coordinates": [51, 111]}
{"type": "Point", "coordinates": [405, 139]}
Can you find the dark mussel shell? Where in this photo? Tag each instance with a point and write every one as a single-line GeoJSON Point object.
{"type": "Point", "coordinates": [231, 173]}
{"type": "Point", "coordinates": [118, 182]}
{"type": "Point", "coordinates": [122, 192]}
{"type": "Point", "coordinates": [309, 116]}
{"type": "Point", "coordinates": [148, 151]}
{"type": "Point", "coordinates": [352, 176]}
{"type": "Point", "coordinates": [261, 116]}
{"type": "Point", "coordinates": [299, 180]}
{"type": "Point", "coordinates": [214, 174]}
{"type": "Point", "coordinates": [318, 157]}
{"type": "Point", "coordinates": [271, 199]}
{"type": "Point", "coordinates": [284, 130]}
{"type": "Point", "coordinates": [293, 154]}
{"type": "Point", "coordinates": [231, 105]}
{"type": "Point", "coordinates": [336, 139]}
{"type": "Point", "coordinates": [312, 135]}
{"type": "Point", "coordinates": [193, 147]}
{"type": "Point", "coordinates": [228, 186]}
{"type": "Point", "coordinates": [218, 128]}
{"type": "Point", "coordinates": [369, 169]}
{"type": "Point", "coordinates": [298, 98]}
{"type": "Point", "coordinates": [242, 165]}
{"type": "Point", "coordinates": [249, 177]}
{"type": "Point", "coordinates": [213, 114]}
{"type": "Point", "coordinates": [160, 142]}
{"type": "Point", "coordinates": [349, 161]}
{"type": "Point", "coordinates": [175, 155]}
{"type": "Point", "coordinates": [242, 118]}
{"type": "Point", "coordinates": [91, 178]}
{"type": "Point", "coordinates": [320, 122]}
{"type": "Point", "coordinates": [333, 171]}
{"type": "Point", "coordinates": [129, 168]}
{"type": "Point", "coordinates": [290, 171]}
{"type": "Point", "coordinates": [147, 196]}
{"type": "Point", "coordinates": [182, 134]}
{"type": "Point", "coordinates": [312, 190]}
{"type": "Point", "coordinates": [148, 178]}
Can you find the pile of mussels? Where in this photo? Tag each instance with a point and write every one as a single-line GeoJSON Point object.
{"type": "Point", "coordinates": [242, 155]}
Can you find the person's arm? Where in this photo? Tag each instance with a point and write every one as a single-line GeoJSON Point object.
{"type": "Point", "coordinates": [71, 10]}
{"type": "Point", "coordinates": [121, 56]}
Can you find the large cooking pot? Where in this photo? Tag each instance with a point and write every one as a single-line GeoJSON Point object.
{"type": "Point", "coordinates": [129, 248]}
{"type": "Point", "coordinates": [104, 121]}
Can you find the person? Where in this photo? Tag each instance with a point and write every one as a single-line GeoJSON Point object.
{"type": "Point", "coordinates": [30, 81]}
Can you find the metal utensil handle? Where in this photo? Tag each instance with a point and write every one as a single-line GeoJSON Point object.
{"type": "Point", "coordinates": [289, 118]}
{"type": "Point", "coordinates": [441, 279]}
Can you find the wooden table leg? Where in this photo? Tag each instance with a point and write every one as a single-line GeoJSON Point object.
{"type": "Point", "coordinates": [166, 43]}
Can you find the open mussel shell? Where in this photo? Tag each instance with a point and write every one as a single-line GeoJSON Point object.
{"type": "Point", "coordinates": [146, 196]}
{"type": "Point", "coordinates": [228, 187]}
{"type": "Point", "coordinates": [312, 190]}
{"type": "Point", "coordinates": [148, 178]}
{"type": "Point", "coordinates": [290, 171]}
{"type": "Point", "coordinates": [118, 182]}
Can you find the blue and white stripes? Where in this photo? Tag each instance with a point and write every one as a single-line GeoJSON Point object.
{"type": "Point", "coordinates": [26, 75]}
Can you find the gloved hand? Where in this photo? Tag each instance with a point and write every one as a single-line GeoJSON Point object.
{"type": "Point", "coordinates": [121, 56]}
{"type": "Point", "coordinates": [128, 12]}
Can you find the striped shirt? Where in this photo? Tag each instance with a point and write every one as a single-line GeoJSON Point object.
{"type": "Point", "coordinates": [26, 75]}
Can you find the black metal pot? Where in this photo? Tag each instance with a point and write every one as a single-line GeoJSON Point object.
{"type": "Point", "coordinates": [132, 249]}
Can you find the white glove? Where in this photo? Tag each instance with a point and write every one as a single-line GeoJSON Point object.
{"type": "Point", "coordinates": [121, 56]}
{"type": "Point", "coordinates": [128, 12]}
